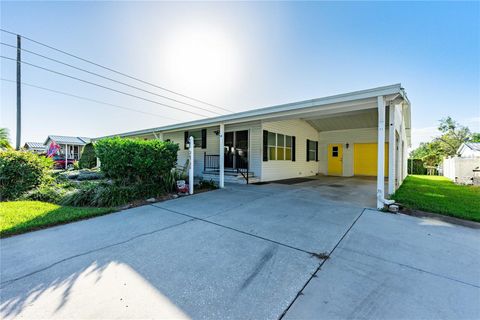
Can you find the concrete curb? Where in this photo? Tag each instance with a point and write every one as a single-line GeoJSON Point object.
{"type": "Point", "coordinates": [436, 216]}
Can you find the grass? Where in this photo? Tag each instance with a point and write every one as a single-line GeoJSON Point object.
{"type": "Point", "coordinates": [440, 195]}
{"type": "Point", "coordinates": [23, 216]}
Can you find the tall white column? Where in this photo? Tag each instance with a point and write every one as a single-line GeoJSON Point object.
{"type": "Point", "coordinates": [191, 148]}
{"type": "Point", "coordinates": [221, 151]}
{"type": "Point", "coordinates": [381, 152]}
{"type": "Point", "coordinates": [392, 141]}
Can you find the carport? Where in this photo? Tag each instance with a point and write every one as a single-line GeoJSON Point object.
{"type": "Point", "coordinates": [361, 133]}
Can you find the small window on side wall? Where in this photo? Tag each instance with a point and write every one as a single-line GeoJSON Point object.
{"type": "Point", "coordinates": [312, 150]}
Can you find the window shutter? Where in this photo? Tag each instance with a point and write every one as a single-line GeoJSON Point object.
{"type": "Point", "coordinates": [204, 138]}
{"type": "Point", "coordinates": [186, 140]}
{"type": "Point", "coordinates": [265, 145]}
{"type": "Point", "coordinates": [293, 148]}
{"type": "Point", "coordinates": [316, 151]}
{"type": "Point", "coordinates": [308, 155]}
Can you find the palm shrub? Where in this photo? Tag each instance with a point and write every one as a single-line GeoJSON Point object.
{"type": "Point", "coordinates": [21, 171]}
{"type": "Point", "coordinates": [132, 161]}
{"type": "Point", "coordinates": [88, 159]}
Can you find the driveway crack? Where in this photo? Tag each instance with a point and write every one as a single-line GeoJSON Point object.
{"type": "Point", "coordinates": [9, 282]}
{"type": "Point", "coordinates": [314, 275]}
{"type": "Point", "coordinates": [237, 230]}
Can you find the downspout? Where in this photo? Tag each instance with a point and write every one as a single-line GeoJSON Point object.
{"type": "Point", "coordinates": [381, 201]}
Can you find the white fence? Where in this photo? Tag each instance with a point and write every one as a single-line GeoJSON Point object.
{"type": "Point", "coordinates": [460, 170]}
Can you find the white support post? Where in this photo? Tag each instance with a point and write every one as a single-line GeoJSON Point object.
{"type": "Point", "coordinates": [66, 156]}
{"type": "Point", "coordinates": [381, 152]}
{"type": "Point", "coordinates": [191, 148]}
{"type": "Point", "coordinates": [221, 157]}
{"type": "Point", "coordinates": [391, 150]}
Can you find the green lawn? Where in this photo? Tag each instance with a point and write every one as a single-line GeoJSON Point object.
{"type": "Point", "coordinates": [440, 195]}
{"type": "Point", "coordinates": [23, 216]}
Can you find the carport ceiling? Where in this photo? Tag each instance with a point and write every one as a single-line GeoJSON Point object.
{"type": "Point", "coordinates": [349, 120]}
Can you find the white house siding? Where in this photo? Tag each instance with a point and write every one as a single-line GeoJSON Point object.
{"type": "Point", "coordinates": [213, 145]}
{"type": "Point", "coordinates": [284, 169]}
{"type": "Point", "coordinates": [351, 136]}
{"type": "Point", "coordinates": [183, 155]}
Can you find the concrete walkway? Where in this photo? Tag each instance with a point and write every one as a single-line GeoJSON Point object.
{"type": "Point", "coordinates": [245, 252]}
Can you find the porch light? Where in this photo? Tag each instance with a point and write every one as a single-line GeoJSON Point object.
{"type": "Point", "coordinates": [346, 145]}
{"type": "Point", "coordinates": [217, 132]}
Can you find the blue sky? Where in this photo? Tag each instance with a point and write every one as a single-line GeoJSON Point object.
{"type": "Point", "coordinates": [240, 56]}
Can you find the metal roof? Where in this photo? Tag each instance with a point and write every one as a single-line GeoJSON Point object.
{"type": "Point", "coordinates": [35, 145]}
{"type": "Point", "coordinates": [263, 113]}
{"type": "Point", "coordinates": [68, 140]}
{"type": "Point", "coordinates": [473, 145]}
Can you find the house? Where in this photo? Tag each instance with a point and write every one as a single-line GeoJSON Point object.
{"type": "Point", "coordinates": [342, 135]}
{"type": "Point", "coordinates": [465, 167]}
{"type": "Point", "coordinates": [73, 145]}
{"type": "Point", "coordinates": [37, 147]}
{"type": "Point", "coordinates": [469, 150]}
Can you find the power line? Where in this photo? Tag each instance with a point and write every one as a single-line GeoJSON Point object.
{"type": "Point", "coordinates": [118, 72]}
{"type": "Point", "coordinates": [113, 80]}
{"type": "Point", "coordinates": [89, 99]}
{"type": "Point", "coordinates": [105, 87]}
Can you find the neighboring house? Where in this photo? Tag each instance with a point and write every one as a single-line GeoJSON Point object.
{"type": "Point", "coordinates": [72, 145]}
{"type": "Point", "coordinates": [469, 150]}
{"type": "Point", "coordinates": [37, 147]}
{"type": "Point", "coordinates": [342, 135]}
{"type": "Point", "coordinates": [466, 166]}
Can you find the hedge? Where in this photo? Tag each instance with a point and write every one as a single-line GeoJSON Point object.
{"type": "Point", "coordinates": [130, 161]}
{"type": "Point", "coordinates": [88, 159]}
{"type": "Point", "coordinates": [415, 166]}
{"type": "Point", "coordinates": [21, 171]}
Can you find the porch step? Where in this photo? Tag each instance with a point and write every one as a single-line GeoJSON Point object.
{"type": "Point", "coordinates": [230, 177]}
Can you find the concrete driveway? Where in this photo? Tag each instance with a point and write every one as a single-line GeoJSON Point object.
{"type": "Point", "coordinates": [247, 252]}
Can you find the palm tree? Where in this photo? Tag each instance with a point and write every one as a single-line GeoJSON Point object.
{"type": "Point", "coordinates": [4, 141]}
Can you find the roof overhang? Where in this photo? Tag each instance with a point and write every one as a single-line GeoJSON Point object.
{"type": "Point", "coordinates": [347, 102]}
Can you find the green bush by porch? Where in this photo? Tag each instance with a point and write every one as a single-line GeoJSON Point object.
{"type": "Point", "coordinates": [439, 195]}
{"type": "Point", "coordinates": [130, 161]}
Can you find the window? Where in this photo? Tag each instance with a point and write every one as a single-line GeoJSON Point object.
{"type": "Point", "coordinates": [279, 146]}
{"type": "Point", "coordinates": [335, 151]}
{"type": "Point", "coordinates": [312, 150]}
{"type": "Point", "coordinates": [288, 148]}
{"type": "Point", "coordinates": [197, 138]}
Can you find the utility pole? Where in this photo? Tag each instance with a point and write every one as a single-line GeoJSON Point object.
{"type": "Point", "coordinates": [19, 92]}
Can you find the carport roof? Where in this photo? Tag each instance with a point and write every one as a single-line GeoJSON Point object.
{"type": "Point", "coordinates": [275, 111]}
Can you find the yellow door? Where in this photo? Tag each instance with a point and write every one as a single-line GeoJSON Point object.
{"type": "Point", "coordinates": [335, 159]}
{"type": "Point", "coordinates": [365, 159]}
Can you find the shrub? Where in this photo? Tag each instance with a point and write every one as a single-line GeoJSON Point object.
{"type": "Point", "coordinates": [415, 166]}
{"type": "Point", "coordinates": [104, 194]}
{"type": "Point", "coordinates": [47, 193]}
{"type": "Point", "coordinates": [88, 159]}
{"type": "Point", "coordinates": [131, 161]}
{"type": "Point", "coordinates": [21, 171]}
{"type": "Point", "coordinates": [207, 184]}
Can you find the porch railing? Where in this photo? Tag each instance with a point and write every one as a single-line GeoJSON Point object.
{"type": "Point", "coordinates": [211, 162]}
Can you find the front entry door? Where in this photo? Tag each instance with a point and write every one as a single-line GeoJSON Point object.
{"type": "Point", "coordinates": [236, 149]}
{"type": "Point", "coordinates": [335, 159]}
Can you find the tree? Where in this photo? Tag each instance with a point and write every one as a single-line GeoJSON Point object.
{"type": "Point", "coordinates": [4, 141]}
{"type": "Point", "coordinates": [88, 158]}
{"type": "Point", "coordinates": [475, 137]}
{"type": "Point", "coordinates": [453, 135]}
